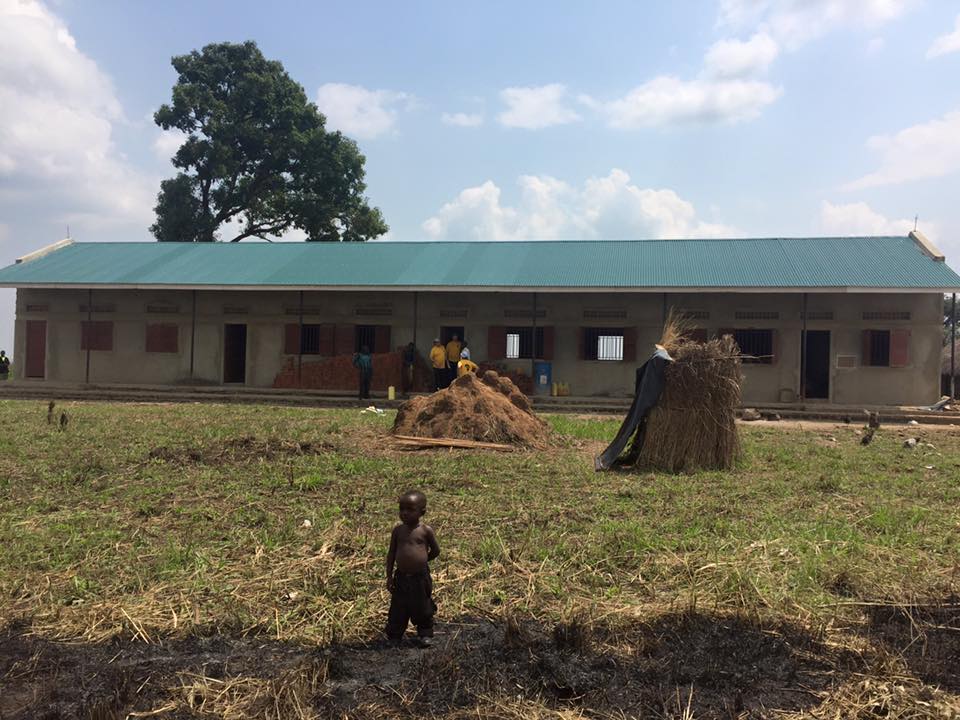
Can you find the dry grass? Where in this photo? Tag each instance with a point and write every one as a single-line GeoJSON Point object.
{"type": "Point", "coordinates": [292, 695]}
{"type": "Point", "coordinates": [819, 579]}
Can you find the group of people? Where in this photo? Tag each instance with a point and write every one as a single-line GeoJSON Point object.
{"type": "Point", "coordinates": [450, 361]}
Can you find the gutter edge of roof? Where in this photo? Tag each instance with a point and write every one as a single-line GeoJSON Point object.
{"type": "Point", "coordinates": [526, 289]}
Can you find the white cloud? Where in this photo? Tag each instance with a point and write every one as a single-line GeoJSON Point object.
{"type": "Point", "coordinates": [928, 150]}
{"type": "Point", "coordinates": [167, 142]}
{"type": "Point", "coordinates": [533, 108]}
{"type": "Point", "coordinates": [606, 208]}
{"type": "Point", "coordinates": [793, 23]}
{"type": "Point", "coordinates": [726, 90]}
{"type": "Point", "coordinates": [359, 112]}
{"type": "Point", "coordinates": [57, 111]}
{"type": "Point", "coordinates": [875, 45]}
{"type": "Point", "coordinates": [948, 43]}
{"type": "Point", "coordinates": [462, 119]}
{"type": "Point", "coordinates": [737, 58]}
{"type": "Point", "coordinates": [667, 100]}
{"type": "Point", "coordinates": [861, 219]}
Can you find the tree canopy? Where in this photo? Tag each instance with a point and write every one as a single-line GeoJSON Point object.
{"type": "Point", "coordinates": [256, 156]}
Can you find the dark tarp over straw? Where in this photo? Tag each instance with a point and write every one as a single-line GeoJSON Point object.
{"type": "Point", "coordinates": [648, 388]}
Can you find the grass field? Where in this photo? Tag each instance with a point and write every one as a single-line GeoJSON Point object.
{"type": "Point", "coordinates": [227, 561]}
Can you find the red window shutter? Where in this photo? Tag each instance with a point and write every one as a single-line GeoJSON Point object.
{"type": "Point", "coordinates": [103, 332]}
{"type": "Point", "coordinates": [582, 344]}
{"type": "Point", "coordinates": [548, 342]}
{"type": "Point", "coordinates": [327, 333]}
{"type": "Point", "coordinates": [162, 338]}
{"type": "Point", "coordinates": [774, 346]}
{"type": "Point", "coordinates": [865, 338]}
{"type": "Point", "coordinates": [291, 339]}
{"type": "Point", "coordinates": [496, 343]}
{"type": "Point", "coordinates": [344, 340]}
{"type": "Point", "coordinates": [381, 339]}
{"type": "Point", "coordinates": [899, 348]}
{"type": "Point", "coordinates": [630, 344]}
{"type": "Point", "coordinates": [96, 335]}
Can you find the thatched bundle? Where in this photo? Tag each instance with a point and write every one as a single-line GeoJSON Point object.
{"type": "Point", "coordinates": [693, 426]}
{"type": "Point", "coordinates": [945, 359]}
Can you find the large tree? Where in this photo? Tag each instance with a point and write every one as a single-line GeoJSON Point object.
{"type": "Point", "coordinates": [257, 154]}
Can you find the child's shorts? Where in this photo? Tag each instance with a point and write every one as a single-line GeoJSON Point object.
{"type": "Point", "coordinates": [411, 601]}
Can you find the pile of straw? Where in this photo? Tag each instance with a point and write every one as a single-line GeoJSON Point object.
{"type": "Point", "coordinates": [484, 408]}
{"type": "Point", "coordinates": [693, 426]}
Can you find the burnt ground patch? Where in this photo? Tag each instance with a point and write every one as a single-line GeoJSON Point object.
{"type": "Point", "coordinates": [50, 680]}
{"type": "Point", "coordinates": [926, 636]}
{"type": "Point", "coordinates": [236, 450]}
{"type": "Point", "coordinates": [735, 666]}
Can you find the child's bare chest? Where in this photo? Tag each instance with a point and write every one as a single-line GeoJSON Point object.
{"type": "Point", "coordinates": [412, 538]}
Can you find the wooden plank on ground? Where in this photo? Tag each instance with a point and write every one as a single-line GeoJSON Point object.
{"type": "Point", "coordinates": [412, 441]}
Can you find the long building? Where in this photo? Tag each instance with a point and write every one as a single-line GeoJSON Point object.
{"type": "Point", "coordinates": [846, 320]}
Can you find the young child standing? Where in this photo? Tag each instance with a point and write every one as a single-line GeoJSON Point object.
{"type": "Point", "coordinates": [412, 546]}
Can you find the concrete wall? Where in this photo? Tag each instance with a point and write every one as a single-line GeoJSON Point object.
{"type": "Point", "coordinates": [266, 312]}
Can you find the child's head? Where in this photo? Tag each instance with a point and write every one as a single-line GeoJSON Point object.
{"type": "Point", "coordinates": [413, 506]}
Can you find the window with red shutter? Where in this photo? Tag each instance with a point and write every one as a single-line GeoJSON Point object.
{"type": "Point", "coordinates": [756, 346]}
{"type": "Point", "coordinates": [310, 339]}
{"type": "Point", "coordinates": [381, 339]}
{"type": "Point", "coordinates": [344, 340]}
{"type": "Point", "coordinates": [326, 340]}
{"type": "Point", "coordinates": [606, 343]}
{"type": "Point", "coordinates": [877, 348]}
{"type": "Point", "coordinates": [549, 340]}
{"type": "Point", "coordinates": [899, 348]}
{"type": "Point", "coordinates": [629, 344]}
{"type": "Point", "coordinates": [496, 343]}
{"type": "Point", "coordinates": [291, 339]}
{"type": "Point", "coordinates": [522, 343]}
{"type": "Point", "coordinates": [162, 338]}
{"type": "Point", "coordinates": [96, 335]}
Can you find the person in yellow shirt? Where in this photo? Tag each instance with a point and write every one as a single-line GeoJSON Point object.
{"type": "Point", "coordinates": [466, 366]}
{"type": "Point", "coordinates": [453, 357]}
{"type": "Point", "coordinates": [438, 359]}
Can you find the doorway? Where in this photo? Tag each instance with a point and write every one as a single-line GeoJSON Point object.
{"type": "Point", "coordinates": [36, 365]}
{"type": "Point", "coordinates": [448, 331]}
{"type": "Point", "coordinates": [235, 353]}
{"type": "Point", "coordinates": [816, 372]}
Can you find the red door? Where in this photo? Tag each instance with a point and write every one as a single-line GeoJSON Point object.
{"type": "Point", "coordinates": [36, 349]}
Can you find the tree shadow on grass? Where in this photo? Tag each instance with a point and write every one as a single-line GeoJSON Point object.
{"type": "Point", "coordinates": [719, 665]}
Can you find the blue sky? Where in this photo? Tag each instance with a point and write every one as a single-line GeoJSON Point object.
{"type": "Point", "coordinates": [515, 120]}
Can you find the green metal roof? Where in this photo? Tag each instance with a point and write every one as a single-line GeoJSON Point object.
{"type": "Point", "coordinates": [825, 263]}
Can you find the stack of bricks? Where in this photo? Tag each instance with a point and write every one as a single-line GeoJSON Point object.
{"type": "Point", "coordinates": [338, 373]}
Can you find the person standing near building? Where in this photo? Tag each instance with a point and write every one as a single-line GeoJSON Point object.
{"type": "Point", "coordinates": [4, 365]}
{"type": "Point", "coordinates": [364, 363]}
{"type": "Point", "coordinates": [453, 357]}
{"type": "Point", "coordinates": [438, 359]}
{"type": "Point", "coordinates": [406, 372]}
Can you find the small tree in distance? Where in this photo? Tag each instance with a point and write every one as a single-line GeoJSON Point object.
{"type": "Point", "coordinates": [256, 152]}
